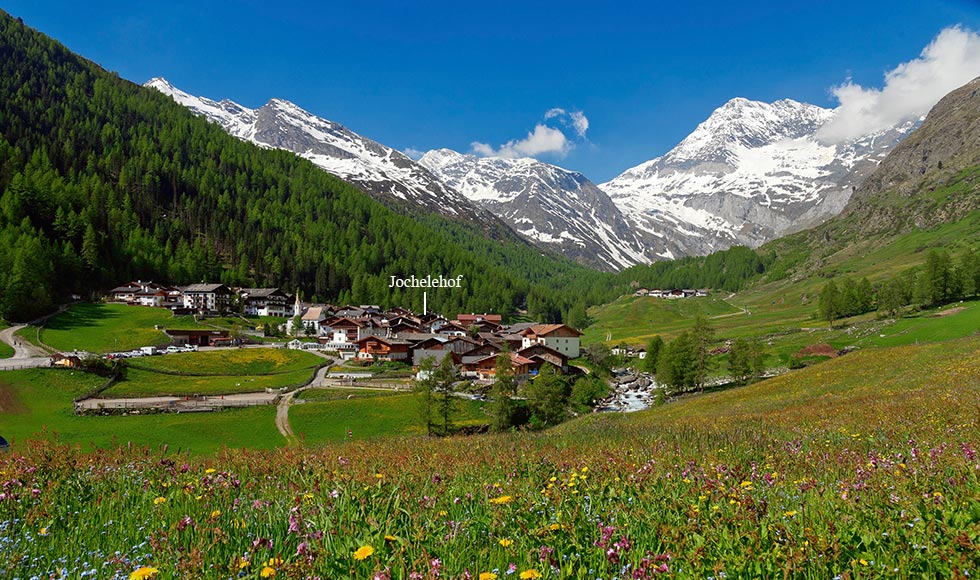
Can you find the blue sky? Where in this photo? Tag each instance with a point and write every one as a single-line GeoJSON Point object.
{"type": "Point", "coordinates": [423, 75]}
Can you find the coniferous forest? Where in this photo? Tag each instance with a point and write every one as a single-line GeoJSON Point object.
{"type": "Point", "coordinates": [103, 181]}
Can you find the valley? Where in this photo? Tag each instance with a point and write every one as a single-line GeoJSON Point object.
{"type": "Point", "coordinates": [754, 355]}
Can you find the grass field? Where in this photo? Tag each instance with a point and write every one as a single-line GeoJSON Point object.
{"type": "Point", "coordinates": [636, 319]}
{"type": "Point", "coordinates": [6, 351]}
{"type": "Point", "coordinates": [864, 466]}
{"type": "Point", "coordinates": [102, 328]}
{"type": "Point", "coordinates": [218, 372]}
{"type": "Point", "coordinates": [368, 418]}
{"type": "Point", "coordinates": [140, 383]}
{"type": "Point", "coordinates": [232, 361]}
{"type": "Point", "coordinates": [39, 401]}
{"type": "Point", "coordinates": [338, 393]}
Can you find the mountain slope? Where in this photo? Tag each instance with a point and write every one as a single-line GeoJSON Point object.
{"type": "Point", "coordinates": [911, 187]}
{"type": "Point", "coordinates": [749, 173]}
{"type": "Point", "coordinates": [380, 171]}
{"type": "Point", "coordinates": [102, 180]}
{"type": "Point", "coordinates": [550, 206]}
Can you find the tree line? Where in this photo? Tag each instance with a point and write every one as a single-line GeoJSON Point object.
{"type": "Point", "coordinates": [103, 181]}
{"type": "Point", "coordinates": [940, 280]}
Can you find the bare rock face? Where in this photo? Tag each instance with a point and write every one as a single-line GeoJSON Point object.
{"type": "Point", "coordinates": [749, 173]}
{"type": "Point", "coordinates": [380, 171]}
{"type": "Point", "coordinates": [549, 206]}
{"type": "Point", "coordinates": [944, 151]}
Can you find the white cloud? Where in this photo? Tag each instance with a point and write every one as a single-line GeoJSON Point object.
{"type": "Point", "coordinates": [580, 122]}
{"type": "Point", "coordinates": [543, 140]}
{"type": "Point", "coordinates": [951, 60]}
{"type": "Point", "coordinates": [413, 153]}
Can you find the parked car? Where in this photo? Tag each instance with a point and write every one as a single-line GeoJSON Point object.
{"type": "Point", "coordinates": [190, 348]}
{"type": "Point", "coordinates": [174, 349]}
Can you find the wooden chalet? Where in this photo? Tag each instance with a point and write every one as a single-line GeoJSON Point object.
{"type": "Point", "coordinates": [559, 337]}
{"type": "Point", "coordinates": [380, 348]}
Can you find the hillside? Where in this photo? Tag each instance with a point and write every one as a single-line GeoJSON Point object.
{"type": "Point", "coordinates": [864, 466]}
{"type": "Point", "coordinates": [388, 175]}
{"type": "Point", "coordinates": [928, 180]}
{"type": "Point", "coordinates": [103, 180]}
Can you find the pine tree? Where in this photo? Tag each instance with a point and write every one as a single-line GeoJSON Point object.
{"type": "Point", "coordinates": [547, 396]}
{"type": "Point", "coordinates": [829, 303]}
{"type": "Point", "coordinates": [702, 335]}
{"type": "Point", "coordinates": [446, 375]}
{"type": "Point", "coordinates": [654, 348]}
{"type": "Point", "coordinates": [739, 363]}
{"type": "Point", "coordinates": [424, 387]}
{"type": "Point", "coordinates": [503, 410]}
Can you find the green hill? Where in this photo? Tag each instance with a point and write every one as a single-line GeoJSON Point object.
{"type": "Point", "coordinates": [103, 181]}
{"type": "Point", "coordinates": [865, 466]}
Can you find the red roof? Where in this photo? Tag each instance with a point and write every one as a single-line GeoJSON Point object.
{"type": "Point", "coordinates": [546, 329]}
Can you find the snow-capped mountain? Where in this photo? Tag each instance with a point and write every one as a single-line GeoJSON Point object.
{"type": "Point", "coordinates": [548, 205]}
{"type": "Point", "coordinates": [751, 172]}
{"type": "Point", "coordinates": [378, 170]}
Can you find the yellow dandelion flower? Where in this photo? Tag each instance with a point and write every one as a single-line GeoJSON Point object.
{"type": "Point", "coordinates": [43, 531]}
{"type": "Point", "coordinates": [273, 562]}
{"type": "Point", "coordinates": [746, 484]}
{"type": "Point", "coordinates": [504, 499]}
{"type": "Point", "coordinates": [143, 572]}
{"type": "Point", "coordinates": [378, 475]}
{"type": "Point", "coordinates": [210, 470]}
{"type": "Point", "coordinates": [505, 542]}
{"type": "Point", "coordinates": [363, 552]}
{"type": "Point", "coordinates": [443, 512]}
{"type": "Point", "coordinates": [488, 576]}
{"type": "Point", "coordinates": [531, 574]}
{"type": "Point", "coordinates": [390, 538]}
{"type": "Point", "coordinates": [554, 527]}
{"type": "Point", "coordinates": [585, 469]}
{"type": "Point", "coordinates": [243, 563]}
{"type": "Point", "coordinates": [215, 514]}
{"type": "Point", "coordinates": [159, 500]}
{"type": "Point", "coordinates": [790, 513]}
{"type": "Point", "coordinates": [267, 572]}
{"type": "Point", "coordinates": [863, 562]}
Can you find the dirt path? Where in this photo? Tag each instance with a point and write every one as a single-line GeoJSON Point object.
{"type": "Point", "coordinates": [22, 348]}
{"type": "Point", "coordinates": [282, 410]}
{"type": "Point", "coordinates": [180, 403]}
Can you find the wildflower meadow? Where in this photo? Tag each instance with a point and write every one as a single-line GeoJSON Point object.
{"type": "Point", "coordinates": [864, 466]}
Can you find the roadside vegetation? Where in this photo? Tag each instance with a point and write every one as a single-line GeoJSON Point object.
{"type": "Point", "coordinates": [6, 351]}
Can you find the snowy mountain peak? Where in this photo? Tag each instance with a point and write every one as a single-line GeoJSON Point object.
{"type": "Point", "coordinates": [750, 172]}
{"type": "Point", "coordinates": [379, 171]}
{"type": "Point", "coordinates": [550, 206]}
{"type": "Point", "coordinates": [741, 123]}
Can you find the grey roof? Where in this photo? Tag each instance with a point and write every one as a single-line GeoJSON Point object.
{"type": "Point", "coordinates": [438, 355]}
{"type": "Point", "coordinates": [204, 287]}
{"type": "Point", "coordinates": [260, 292]}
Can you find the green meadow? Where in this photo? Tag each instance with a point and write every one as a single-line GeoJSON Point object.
{"type": "Point", "coordinates": [369, 417]}
{"type": "Point", "coordinates": [231, 361]}
{"type": "Point", "coordinates": [140, 383]}
{"type": "Point", "coordinates": [101, 328]}
{"type": "Point", "coordinates": [863, 466]}
{"type": "Point", "coordinates": [38, 403]}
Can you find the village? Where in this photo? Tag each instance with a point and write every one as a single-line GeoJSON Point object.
{"type": "Point", "coordinates": [360, 333]}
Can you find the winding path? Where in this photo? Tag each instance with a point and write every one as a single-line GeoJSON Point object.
{"type": "Point", "coordinates": [282, 410]}
{"type": "Point", "coordinates": [26, 355]}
